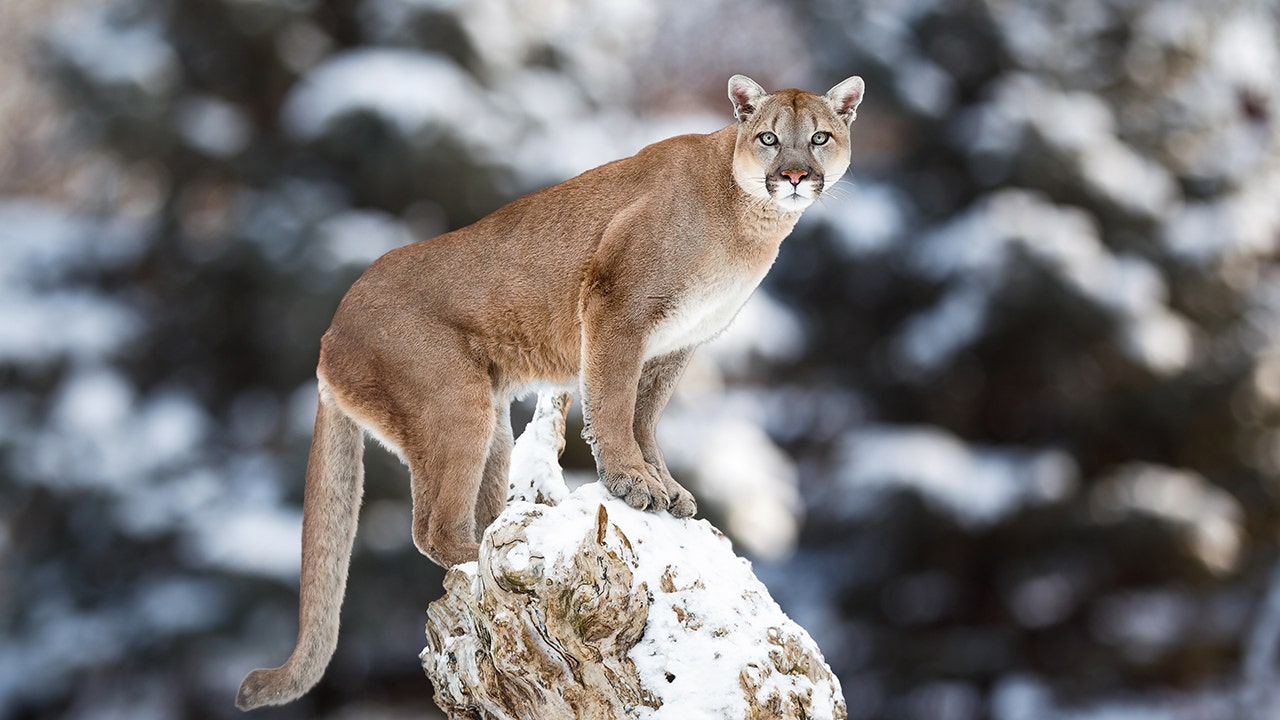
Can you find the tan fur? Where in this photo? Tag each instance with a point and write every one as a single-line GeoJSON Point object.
{"type": "Point", "coordinates": [606, 281]}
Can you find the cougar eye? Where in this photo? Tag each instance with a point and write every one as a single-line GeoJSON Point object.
{"type": "Point", "coordinates": [768, 138]}
{"type": "Point", "coordinates": [821, 137]}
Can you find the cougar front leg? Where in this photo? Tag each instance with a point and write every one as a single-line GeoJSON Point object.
{"type": "Point", "coordinates": [657, 382]}
{"type": "Point", "coordinates": [612, 356]}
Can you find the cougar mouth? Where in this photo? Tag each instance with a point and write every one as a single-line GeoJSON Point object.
{"type": "Point", "coordinates": [794, 198]}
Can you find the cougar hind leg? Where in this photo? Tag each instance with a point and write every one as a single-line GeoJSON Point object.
{"type": "Point", "coordinates": [446, 446]}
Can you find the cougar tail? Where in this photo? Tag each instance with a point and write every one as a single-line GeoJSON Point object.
{"type": "Point", "coordinates": [331, 506]}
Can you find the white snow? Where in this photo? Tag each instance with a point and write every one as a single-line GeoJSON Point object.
{"type": "Point", "coordinates": [253, 541]}
{"type": "Point", "coordinates": [535, 460]}
{"type": "Point", "coordinates": [930, 339]}
{"type": "Point", "coordinates": [925, 86]}
{"type": "Point", "coordinates": [116, 55]}
{"type": "Point", "coordinates": [1080, 129]}
{"type": "Point", "coordinates": [594, 41]}
{"type": "Point", "coordinates": [977, 253]}
{"type": "Point", "coordinates": [865, 219]}
{"type": "Point", "coordinates": [180, 604]}
{"type": "Point", "coordinates": [412, 90]}
{"type": "Point", "coordinates": [1241, 226]}
{"type": "Point", "coordinates": [105, 437]}
{"type": "Point", "coordinates": [977, 486]}
{"type": "Point", "coordinates": [720, 445]}
{"type": "Point", "coordinates": [1245, 51]}
{"type": "Point", "coordinates": [42, 243]}
{"type": "Point", "coordinates": [355, 238]}
{"type": "Point", "coordinates": [712, 589]}
{"type": "Point", "coordinates": [88, 325]}
{"type": "Point", "coordinates": [1210, 518]}
{"type": "Point", "coordinates": [213, 126]}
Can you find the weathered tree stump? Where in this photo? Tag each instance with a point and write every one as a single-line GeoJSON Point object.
{"type": "Point", "coordinates": [592, 609]}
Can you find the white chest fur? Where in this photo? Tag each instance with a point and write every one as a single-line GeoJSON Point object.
{"type": "Point", "coordinates": [702, 313]}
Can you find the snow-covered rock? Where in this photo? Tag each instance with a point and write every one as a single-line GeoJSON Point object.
{"type": "Point", "coordinates": [594, 609]}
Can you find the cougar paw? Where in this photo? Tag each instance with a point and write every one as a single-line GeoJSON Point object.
{"type": "Point", "coordinates": [456, 554]}
{"type": "Point", "coordinates": [682, 503]}
{"type": "Point", "coordinates": [639, 485]}
{"type": "Point", "coordinates": [447, 551]}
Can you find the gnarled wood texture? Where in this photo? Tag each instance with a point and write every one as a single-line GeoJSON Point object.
{"type": "Point", "coordinates": [592, 609]}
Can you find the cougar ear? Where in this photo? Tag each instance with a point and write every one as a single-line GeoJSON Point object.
{"type": "Point", "coordinates": [844, 98]}
{"type": "Point", "coordinates": [745, 94]}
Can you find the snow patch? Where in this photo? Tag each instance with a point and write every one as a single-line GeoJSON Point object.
{"type": "Point", "coordinates": [1210, 518]}
{"type": "Point", "coordinates": [355, 238]}
{"type": "Point", "coordinates": [117, 56]}
{"type": "Point", "coordinates": [738, 469]}
{"type": "Point", "coordinates": [976, 486]}
{"type": "Point", "coordinates": [535, 472]}
{"type": "Point", "coordinates": [976, 256]}
{"type": "Point", "coordinates": [710, 618]}
{"type": "Point", "coordinates": [253, 541]}
{"type": "Point", "coordinates": [413, 91]}
{"type": "Point", "coordinates": [213, 126]}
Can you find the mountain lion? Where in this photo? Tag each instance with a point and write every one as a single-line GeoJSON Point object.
{"type": "Point", "coordinates": [605, 282]}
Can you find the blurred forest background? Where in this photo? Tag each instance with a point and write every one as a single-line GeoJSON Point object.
{"type": "Point", "coordinates": [1001, 429]}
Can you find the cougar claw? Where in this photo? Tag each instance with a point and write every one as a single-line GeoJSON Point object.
{"type": "Point", "coordinates": [640, 486]}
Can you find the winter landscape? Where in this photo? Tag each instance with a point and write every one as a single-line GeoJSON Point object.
{"type": "Point", "coordinates": [1000, 430]}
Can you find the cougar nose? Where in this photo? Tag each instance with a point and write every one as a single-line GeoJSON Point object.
{"type": "Point", "coordinates": [795, 176]}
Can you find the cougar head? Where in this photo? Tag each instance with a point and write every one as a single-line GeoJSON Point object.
{"type": "Point", "coordinates": [791, 144]}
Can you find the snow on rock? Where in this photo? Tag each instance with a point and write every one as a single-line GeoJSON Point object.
{"type": "Point", "coordinates": [594, 609]}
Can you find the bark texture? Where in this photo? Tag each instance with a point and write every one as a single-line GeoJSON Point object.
{"type": "Point", "coordinates": [592, 609]}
